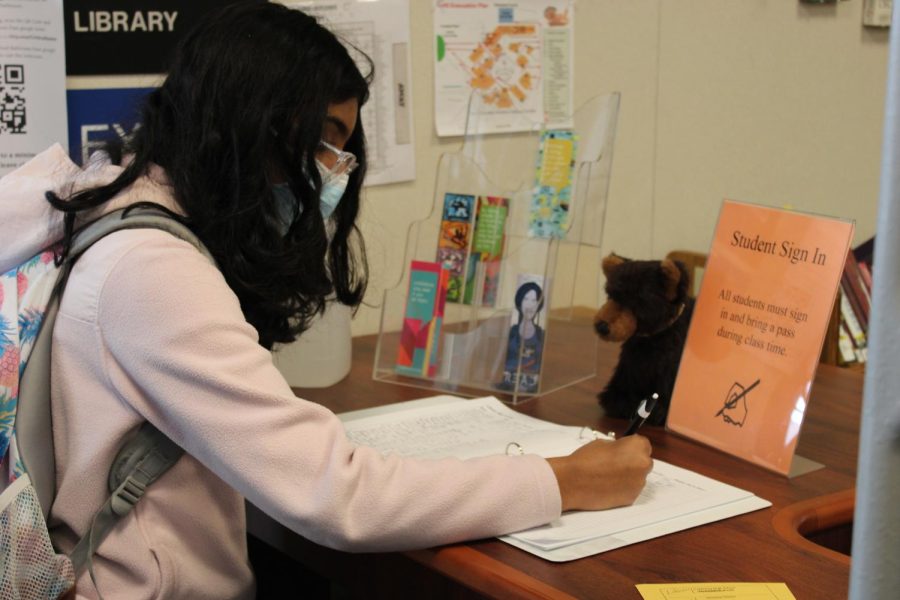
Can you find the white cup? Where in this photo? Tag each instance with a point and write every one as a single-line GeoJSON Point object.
{"type": "Point", "coordinates": [322, 355]}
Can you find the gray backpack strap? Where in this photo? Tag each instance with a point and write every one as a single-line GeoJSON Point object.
{"type": "Point", "coordinates": [141, 461]}
{"type": "Point", "coordinates": [34, 437]}
{"type": "Point", "coordinates": [138, 217]}
{"type": "Point", "coordinates": [144, 458]}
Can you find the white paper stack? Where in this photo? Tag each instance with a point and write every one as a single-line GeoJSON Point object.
{"type": "Point", "coordinates": [674, 499]}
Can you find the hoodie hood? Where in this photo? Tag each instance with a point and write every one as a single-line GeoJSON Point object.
{"type": "Point", "coordinates": [28, 224]}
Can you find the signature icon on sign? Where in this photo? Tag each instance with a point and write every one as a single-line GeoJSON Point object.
{"type": "Point", "coordinates": [734, 410]}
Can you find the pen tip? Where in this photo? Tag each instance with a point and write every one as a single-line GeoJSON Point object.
{"type": "Point", "coordinates": [655, 396]}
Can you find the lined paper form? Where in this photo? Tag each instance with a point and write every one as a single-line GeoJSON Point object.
{"type": "Point", "coordinates": [673, 499]}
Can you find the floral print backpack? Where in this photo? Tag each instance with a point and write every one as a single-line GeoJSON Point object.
{"type": "Point", "coordinates": [30, 293]}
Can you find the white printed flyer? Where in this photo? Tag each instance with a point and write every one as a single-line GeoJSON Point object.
{"type": "Point", "coordinates": [380, 29]}
{"type": "Point", "coordinates": [503, 66]}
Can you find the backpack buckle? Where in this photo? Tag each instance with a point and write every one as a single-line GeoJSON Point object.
{"type": "Point", "coordinates": [127, 495]}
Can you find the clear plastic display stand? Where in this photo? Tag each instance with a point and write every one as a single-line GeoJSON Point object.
{"type": "Point", "coordinates": [483, 345]}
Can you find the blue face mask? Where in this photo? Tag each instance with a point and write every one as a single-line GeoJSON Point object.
{"type": "Point", "coordinates": [288, 207]}
{"type": "Point", "coordinates": [333, 188]}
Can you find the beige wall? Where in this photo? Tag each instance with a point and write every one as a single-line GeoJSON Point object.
{"type": "Point", "coordinates": [769, 101]}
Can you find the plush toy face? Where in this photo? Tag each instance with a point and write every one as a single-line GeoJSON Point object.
{"type": "Point", "coordinates": [644, 297]}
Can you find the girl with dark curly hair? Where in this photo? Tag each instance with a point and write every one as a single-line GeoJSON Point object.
{"type": "Point", "coordinates": [254, 142]}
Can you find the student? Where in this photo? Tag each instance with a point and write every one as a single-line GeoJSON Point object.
{"type": "Point", "coordinates": [249, 139]}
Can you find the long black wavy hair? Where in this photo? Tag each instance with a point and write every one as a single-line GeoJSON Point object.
{"type": "Point", "coordinates": [246, 96]}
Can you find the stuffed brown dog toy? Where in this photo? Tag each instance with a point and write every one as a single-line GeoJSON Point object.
{"type": "Point", "coordinates": [648, 309]}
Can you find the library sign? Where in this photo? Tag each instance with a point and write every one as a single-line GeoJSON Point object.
{"type": "Point", "coordinates": [121, 37]}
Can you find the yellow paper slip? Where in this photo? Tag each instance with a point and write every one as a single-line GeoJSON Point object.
{"type": "Point", "coordinates": [715, 591]}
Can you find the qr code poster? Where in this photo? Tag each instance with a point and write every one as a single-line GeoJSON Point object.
{"type": "Point", "coordinates": [32, 81]}
{"type": "Point", "coordinates": [12, 99]}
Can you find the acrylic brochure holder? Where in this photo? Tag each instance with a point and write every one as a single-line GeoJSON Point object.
{"type": "Point", "coordinates": [486, 302]}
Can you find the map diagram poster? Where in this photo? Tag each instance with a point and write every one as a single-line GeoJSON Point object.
{"type": "Point", "coordinates": [380, 29]}
{"type": "Point", "coordinates": [513, 59]}
{"type": "Point", "coordinates": [32, 80]}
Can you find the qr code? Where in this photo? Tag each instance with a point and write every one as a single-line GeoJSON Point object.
{"type": "Point", "coordinates": [12, 99]}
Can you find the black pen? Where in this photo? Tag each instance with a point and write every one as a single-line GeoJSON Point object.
{"type": "Point", "coordinates": [643, 412]}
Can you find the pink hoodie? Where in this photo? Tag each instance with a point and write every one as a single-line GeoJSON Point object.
{"type": "Point", "coordinates": [149, 330]}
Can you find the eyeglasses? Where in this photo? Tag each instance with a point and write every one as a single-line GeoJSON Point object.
{"type": "Point", "coordinates": [344, 162]}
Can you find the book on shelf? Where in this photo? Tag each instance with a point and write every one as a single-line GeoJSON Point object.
{"type": "Point", "coordinates": [865, 252]}
{"type": "Point", "coordinates": [852, 284]}
{"type": "Point", "coordinates": [846, 349]}
{"type": "Point", "coordinates": [866, 273]}
{"type": "Point", "coordinates": [855, 333]}
{"type": "Point", "coordinates": [854, 327]}
{"type": "Point", "coordinates": [856, 303]}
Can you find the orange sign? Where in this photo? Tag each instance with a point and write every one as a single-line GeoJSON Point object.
{"type": "Point", "coordinates": [757, 331]}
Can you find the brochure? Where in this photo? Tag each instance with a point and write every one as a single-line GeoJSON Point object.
{"type": "Point", "coordinates": [419, 340]}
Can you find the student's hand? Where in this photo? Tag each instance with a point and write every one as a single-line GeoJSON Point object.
{"type": "Point", "coordinates": [603, 474]}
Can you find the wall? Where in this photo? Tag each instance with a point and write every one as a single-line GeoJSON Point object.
{"type": "Point", "coordinates": [770, 101]}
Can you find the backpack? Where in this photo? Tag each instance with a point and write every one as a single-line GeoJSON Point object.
{"type": "Point", "coordinates": [30, 295]}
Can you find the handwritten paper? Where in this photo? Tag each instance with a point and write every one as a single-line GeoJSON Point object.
{"type": "Point", "coordinates": [673, 500]}
{"type": "Point", "coordinates": [670, 491]}
{"type": "Point", "coordinates": [462, 429]}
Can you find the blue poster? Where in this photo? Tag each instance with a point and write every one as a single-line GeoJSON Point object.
{"type": "Point", "coordinates": [95, 116]}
